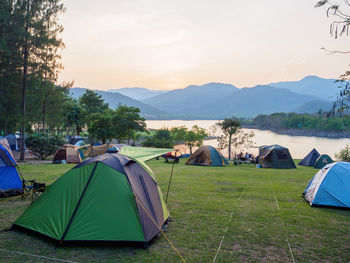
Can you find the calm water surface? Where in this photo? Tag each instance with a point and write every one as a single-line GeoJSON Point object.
{"type": "Point", "coordinates": [298, 146]}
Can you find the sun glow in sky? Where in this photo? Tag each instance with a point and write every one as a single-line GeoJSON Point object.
{"type": "Point", "coordinates": [161, 44]}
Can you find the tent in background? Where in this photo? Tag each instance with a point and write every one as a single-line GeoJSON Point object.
{"type": "Point", "coordinates": [310, 159]}
{"type": "Point", "coordinates": [330, 186]}
{"type": "Point", "coordinates": [322, 161]}
{"type": "Point", "coordinates": [95, 150]}
{"type": "Point", "coordinates": [13, 141]}
{"type": "Point", "coordinates": [68, 153]}
{"type": "Point", "coordinates": [275, 156]}
{"type": "Point", "coordinates": [80, 149]}
{"type": "Point", "coordinates": [10, 180]}
{"type": "Point", "coordinates": [74, 140]}
{"type": "Point", "coordinates": [107, 198]}
{"type": "Point", "coordinates": [208, 156]}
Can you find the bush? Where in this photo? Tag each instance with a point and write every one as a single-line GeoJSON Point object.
{"type": "Point", "coordinates": [161, 139]}
{"type": "Point", "coordinates": [344, 154]}
{"type": "Point", "coordinates": [43, 145]}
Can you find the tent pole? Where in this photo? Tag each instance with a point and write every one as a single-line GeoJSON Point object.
{"type": "Point", "coordinates": [171, 175]}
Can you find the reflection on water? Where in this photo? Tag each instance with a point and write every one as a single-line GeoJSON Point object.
{"type": "Point", "coordinates": [298, 146]}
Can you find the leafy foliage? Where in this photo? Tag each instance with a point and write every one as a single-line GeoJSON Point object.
{"type": "Point", "coordinates": [344, 154]}
{"type": "Point", "coordinates": [319, 122]}
{"type": "Point", "coordinates": [340, 26]}
{"type": "Point", "coordinates": [102, 127]}
{"type": "Point", "coordinates": [161, 139]}
{"type": "Point", "coordinates": [195, 137]}
{"type": "Point", "coordinates": [228, 128]}
{"type": "Point", "coordinates": [128, 121]}
{"type": "Point", "coordinates": [44, 145]}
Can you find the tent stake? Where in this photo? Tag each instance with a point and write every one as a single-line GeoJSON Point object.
{"type": "Point", "coordinates": [171, 176]}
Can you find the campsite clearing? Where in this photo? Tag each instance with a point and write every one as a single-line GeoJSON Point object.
{"type": "Point", "coordinates": [239, 213]}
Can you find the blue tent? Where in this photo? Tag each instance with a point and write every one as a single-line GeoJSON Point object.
{"type": "Point", "coordinates": [310, 159]}
{"type": "Point", "coordinates": [10, 181]}
{"type": "Point", "coordinates": [330, 186]}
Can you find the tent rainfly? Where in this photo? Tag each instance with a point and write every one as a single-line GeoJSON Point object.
{"type": "Point", "coordinates": [330, 186]}
{"type": "Point", "coordinates": [95, 150]}
{"type": "Point", "coordinates": [10, 180]}
{"type": "Point", "coordinates": [208, 156]}
{"type": "Point", "coordinates": [275, 156]}
{"type": "Point", "coordinates": [110, 197]}
{"type": "Point", "coordinates": [323, 160]}
{"type": "Point", "coordinates": [67, 152]}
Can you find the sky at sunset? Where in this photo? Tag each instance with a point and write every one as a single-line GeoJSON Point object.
{"type": "Point", "coordinates": [161, 44]}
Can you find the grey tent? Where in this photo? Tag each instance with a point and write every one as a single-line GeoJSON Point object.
{"type": "Point", "coordinates": [275, 156]}
{"type": "Point", "coordinates": [310, 159]}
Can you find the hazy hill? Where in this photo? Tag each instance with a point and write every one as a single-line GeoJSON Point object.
{"type": "Point", "coordinates": [249, 102]}
{"type": "Point", "coordinates": [114, 98]}
{"type": "Point", "coordinates": [314, 106]}
{"type": "Point", "coordinates": [190, 98]}
{"type": "Point", "coordinates": [311, 85]}
{"type": "Point", "coordinates": [139, 93]}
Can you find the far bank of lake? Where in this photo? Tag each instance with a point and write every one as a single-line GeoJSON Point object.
{"type": "Point", "coordinates": [299, 145]}
{"type": "Point", "coordinates": [308, 133]}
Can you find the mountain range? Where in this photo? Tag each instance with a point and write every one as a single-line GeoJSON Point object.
{"type": "Point", "coordinates": [218, 100]}
{"type": "Point", "coordinates": [138, 93]}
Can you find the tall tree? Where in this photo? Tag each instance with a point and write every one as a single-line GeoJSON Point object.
{"type": "Point", "coordinates": [195, 137]}
{"type": "Point", "coordinates": [228, 128]}
{"type": "Point", "coordinates": [101, 127]}
{"type": "Point", "coordinates": [92, 103]}
{"type": "Point", "coordinates": [29, 44]}
{"type": "Point", "coordinates": [127, 121]}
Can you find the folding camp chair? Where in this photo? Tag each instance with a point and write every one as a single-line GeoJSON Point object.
{"type": "Point", "coordinates": [33, 189]}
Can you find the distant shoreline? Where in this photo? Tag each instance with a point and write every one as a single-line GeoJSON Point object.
{"type": "Point", "coordinates": [307, 133]}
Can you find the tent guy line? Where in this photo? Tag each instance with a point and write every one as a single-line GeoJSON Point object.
{"type": "Point", "coordinates": [223, 236]}
{"type": "Point", "coordinates": [284, 229]}
{"type": "Point", "coordinates": [37, 256]}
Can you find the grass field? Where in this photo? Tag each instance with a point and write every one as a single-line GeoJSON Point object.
{"type": "Point", "coordinates": [269, 220]}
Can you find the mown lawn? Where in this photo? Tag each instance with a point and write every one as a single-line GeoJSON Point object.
{"type": "Point", "coordinates": [263, 204]}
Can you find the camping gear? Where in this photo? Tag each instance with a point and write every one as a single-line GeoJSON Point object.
{"type": "Point", "coordinates": [275, 156]}
{"type": "Point", "coordinates": [67, 153]}
{"type": "Point", "coordinates": [95, 150]}
{"type": "Point", "coordinates": [207, 156]}
{"type": "Point", "coordinates": [330, 186]}
{"type": "Point", "coordinates": [75, 140]}
{"type": "Point", "coordinates": [110, 197]}
{"type": "Point", "coordinates": [310, 159]}
{"type": "Point", "coordinates": [10, 180]}
{"type": "Point", "coordinates": [173, 155]}
{"type": "Point", "coordinates": [323, 160]}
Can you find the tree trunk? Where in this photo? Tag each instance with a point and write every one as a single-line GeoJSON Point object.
{"type": "Point", "coordinates": [24, 83]}
{"type": "Point", "coordinates": [44, 111]}
{"type": "Point", "coordinates": [229, 147]}
{"type": "Point", "coordinates": [191, 150]}
{"type": "Point", "coordinates": [78, 130]}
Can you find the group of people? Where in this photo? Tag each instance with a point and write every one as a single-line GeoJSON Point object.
{"type": "Point", "coordinates": [246, 158]}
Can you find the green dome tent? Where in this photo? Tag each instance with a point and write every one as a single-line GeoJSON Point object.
{"type": "Point", "coordinates": [323, 160]}
{"type": "Point", "coordinates": [110, 197]}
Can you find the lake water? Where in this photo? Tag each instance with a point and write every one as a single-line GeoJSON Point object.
{"type": "Point", "coordinates": [298, 146]}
